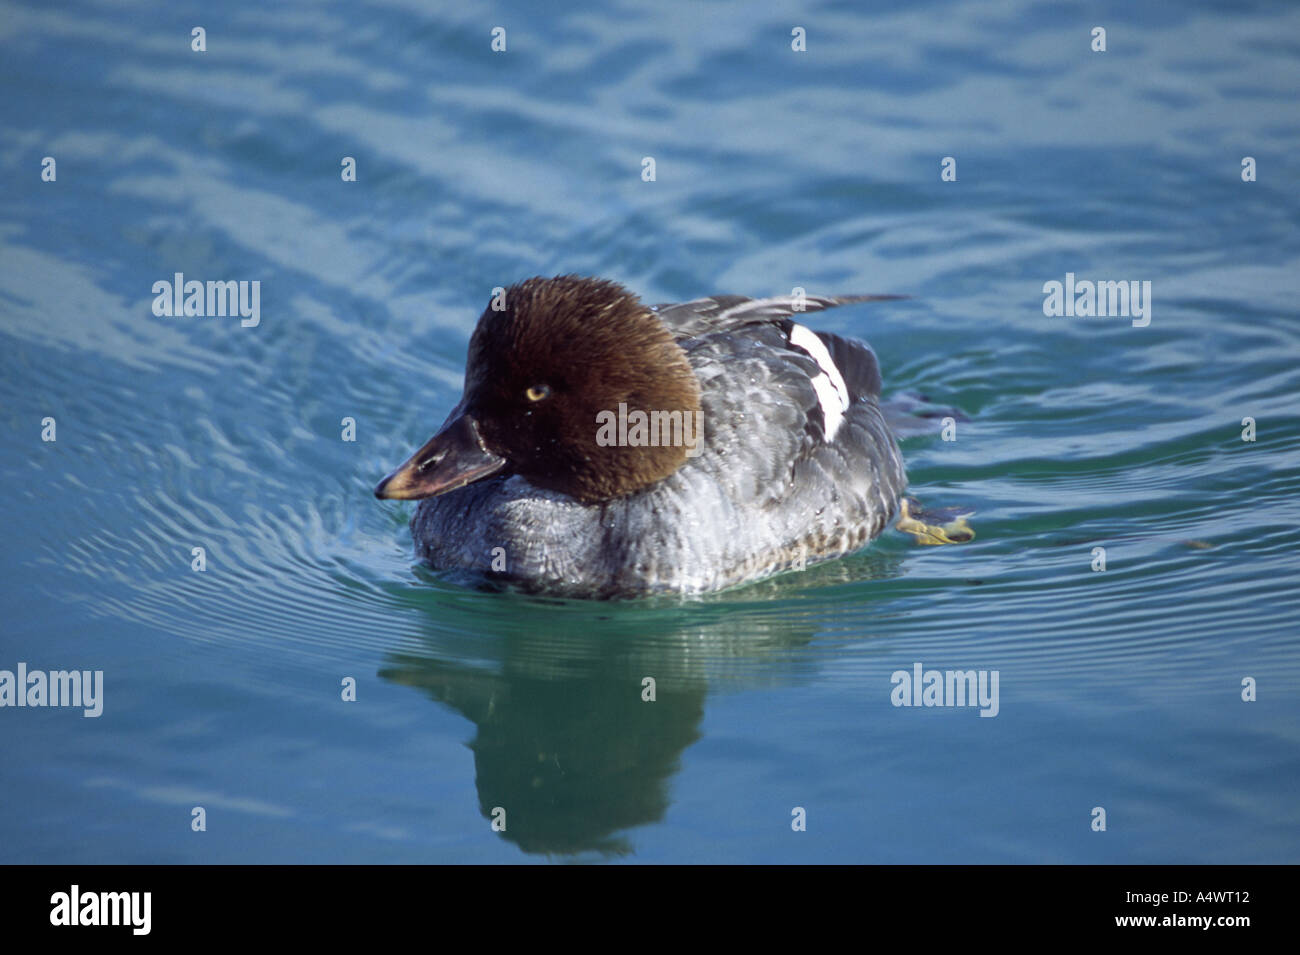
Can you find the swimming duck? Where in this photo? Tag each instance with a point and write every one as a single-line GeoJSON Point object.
{"type": "Point", "coordinates": [605, 448]}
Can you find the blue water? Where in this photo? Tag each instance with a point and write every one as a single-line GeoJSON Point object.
{"type": "Point", "coordinates": [1119, 688]}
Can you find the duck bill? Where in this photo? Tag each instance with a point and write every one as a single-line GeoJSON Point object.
{"type": "Point", "coordinates": [454, 457]}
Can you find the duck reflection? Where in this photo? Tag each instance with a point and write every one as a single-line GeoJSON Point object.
{"type": "Point", "coordinates": [584, 709]}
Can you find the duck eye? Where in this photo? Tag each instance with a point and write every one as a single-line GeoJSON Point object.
{"type": "Point", "coordinates": [538, 392]}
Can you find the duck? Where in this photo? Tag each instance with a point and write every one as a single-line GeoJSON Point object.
{"type": "Point", "coordinates": [607, 449]}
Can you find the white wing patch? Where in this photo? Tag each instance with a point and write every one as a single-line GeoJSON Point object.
{"type": "Point", "coordinates": [832, 393]}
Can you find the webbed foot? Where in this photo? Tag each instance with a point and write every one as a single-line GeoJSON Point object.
{"type": "Point", "coordinates": [942, 525]}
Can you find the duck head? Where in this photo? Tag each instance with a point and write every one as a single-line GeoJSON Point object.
{"type": "Point", "coordinates": [546, 367]}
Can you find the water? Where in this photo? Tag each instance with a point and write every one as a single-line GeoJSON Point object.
{"type": "Point", "coordinates": [1118, 689]}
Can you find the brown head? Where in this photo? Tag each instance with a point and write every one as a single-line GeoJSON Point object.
{"type": "Point", "coordinates": [542, 375]}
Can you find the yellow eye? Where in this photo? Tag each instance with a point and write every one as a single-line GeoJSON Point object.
{"type": "Point", "coordinates": [538, 392]}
